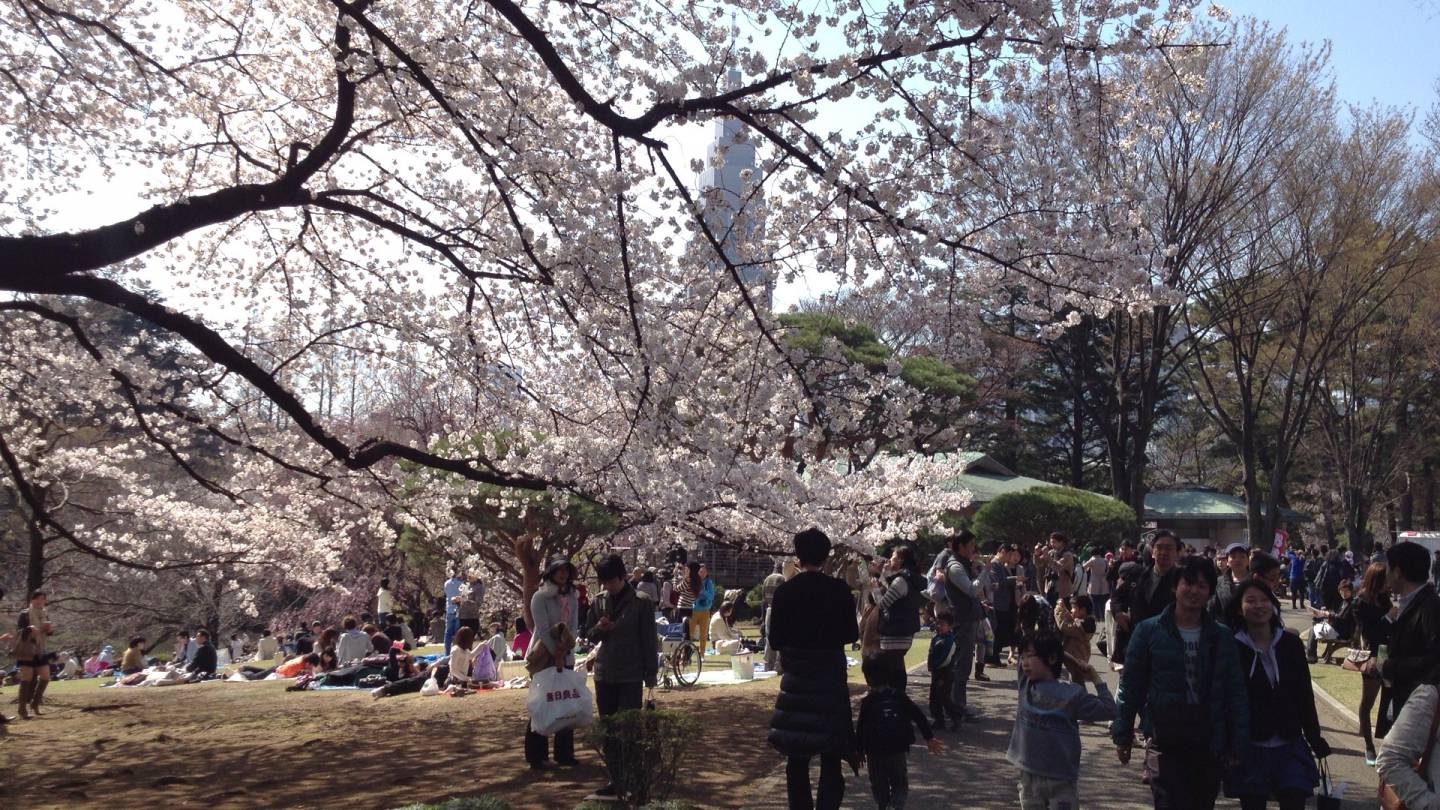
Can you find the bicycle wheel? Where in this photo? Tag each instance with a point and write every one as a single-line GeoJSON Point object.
{"type": "Point", "coordinates": [687, 661]}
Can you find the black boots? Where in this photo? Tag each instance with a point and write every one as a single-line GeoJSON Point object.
{"type": "Point", "coordinates": [27, 688]}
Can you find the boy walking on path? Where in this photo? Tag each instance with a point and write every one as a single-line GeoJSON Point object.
{"type": "Point", "coordinates": [885, 730]}
{"type": "Point", "coordinates": [941, 663]}
{"type": "Point", "coordinates": [1045, 743]}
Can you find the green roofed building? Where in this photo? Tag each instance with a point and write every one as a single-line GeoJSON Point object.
{"type": "Point", "coordinates": [1203, 516]}
{"type": "Point", "coordinates": [987, 479]}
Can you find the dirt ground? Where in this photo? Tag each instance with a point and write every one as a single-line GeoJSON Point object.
{"type": "Point", "coordinates": [230, 745]}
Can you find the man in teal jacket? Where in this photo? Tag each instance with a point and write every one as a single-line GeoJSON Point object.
{"type": "Point", "coordinates": [1182, 677]}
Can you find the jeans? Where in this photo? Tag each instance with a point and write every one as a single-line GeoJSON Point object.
{"type": "Point", "coordinates": [609, 699]}
{"type": "Point", "coordinates": [1044, 793]}
{"type": "Point", "coordinates": [797, 783]}
{"type": "Point", "coordinates": [1182, 780]}
{"type": "Point", "coordinates": [963, 662]}
{"type": "Point", "coordinates": [889, 779]}
{"type": "Point", "coordinates": [452, 625]}
{"type": "Point", "coordinates": [404, 686]}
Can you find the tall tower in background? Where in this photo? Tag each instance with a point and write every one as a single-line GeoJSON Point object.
{"type": "Point", "coordinates": [733, 207]}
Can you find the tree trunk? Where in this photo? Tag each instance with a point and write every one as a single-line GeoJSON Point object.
{"type": "Point", "coordinates": [529, 559]}
{"type": "Point", "coordinates": [35, 563]}
{"type": "Point", "coordinates": [1078, 339]}
{"type": "Point", "coordinates": [1427, 471]}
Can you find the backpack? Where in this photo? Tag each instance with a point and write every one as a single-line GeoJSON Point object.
{"type": "Point", "coordinates": [942, 652]}
{"type": "Point", "coordinates": [934, 590]}
{"type": "Point", "coordinates": [888, 728]}
{"type": "Point", "coordinates": [484, 668]}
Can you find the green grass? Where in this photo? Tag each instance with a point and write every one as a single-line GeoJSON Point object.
{"type": "Point", "coordinates": [1342, 684]}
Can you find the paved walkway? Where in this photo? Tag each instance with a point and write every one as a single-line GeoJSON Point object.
{"type": "Point", "coordinates": [973, 772]}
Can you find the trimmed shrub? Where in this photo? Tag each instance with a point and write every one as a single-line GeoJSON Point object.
{"type": "Point", "coordinates": [462, 803]}
{"type": "Point", "coordinates": [650, 744]}
{"type": "Point", "coordinates": [1026, 518]}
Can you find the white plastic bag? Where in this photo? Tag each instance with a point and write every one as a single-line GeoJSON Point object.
{"type": "Point", "coordinates": [430, 688]}
{"type": "Point", "coordinates": [1324, 631]}
{"type": "Point", "coordinates": [559, 700]}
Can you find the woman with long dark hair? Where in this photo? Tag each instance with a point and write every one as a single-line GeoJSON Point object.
{"type": "Point", "coordinates": [899, 602]}
{"type": "Point", "coordinates": [1285, 736]}
{"type": "Point", "coordinates": [1371, 606]}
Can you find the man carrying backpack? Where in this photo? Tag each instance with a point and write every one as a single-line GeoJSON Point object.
{"type": "Point", "coordinates": [622, 619]}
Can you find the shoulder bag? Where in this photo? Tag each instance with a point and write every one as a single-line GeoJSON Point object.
{"type": "Point", "coordinates": [1389, 799]}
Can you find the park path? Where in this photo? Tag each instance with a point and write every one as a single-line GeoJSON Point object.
{"type": "Point", "coordinates": [973, 772]}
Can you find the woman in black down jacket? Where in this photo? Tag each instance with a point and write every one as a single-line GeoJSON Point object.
{"type": "Point", "coordinates": [812, 620]}
{"type": "Point", "coordinates": [1284, 728]}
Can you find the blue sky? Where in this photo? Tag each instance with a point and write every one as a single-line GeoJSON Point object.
{"type": "Point", "coordinates": [1382, 50]}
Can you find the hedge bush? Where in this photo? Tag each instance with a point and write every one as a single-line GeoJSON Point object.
{"type": "Point", "coordinates": [462, 803]}
{"type": "Point", "coordinates": [1025, 518]}
{"type": "Point", "coordinates": [652, 744]}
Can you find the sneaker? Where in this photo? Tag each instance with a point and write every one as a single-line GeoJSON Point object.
{"type": "Point", "coordinates": [378, 692]}
{"type": "Point", "coordinates": [980, 676]}
{"type": "Point", "coordinates": [1370, 757]}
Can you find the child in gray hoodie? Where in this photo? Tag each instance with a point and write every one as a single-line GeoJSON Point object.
{"type": "Point", "coordinates": [1045, 744]}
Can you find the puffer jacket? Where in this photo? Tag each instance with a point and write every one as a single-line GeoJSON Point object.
{"type": "Point", "coordinates": [1153, 684]}
{"type": "Point", "coordinates": [812, 711]}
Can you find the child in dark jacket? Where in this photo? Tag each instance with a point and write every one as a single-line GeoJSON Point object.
{"type": "Point", "coordinates": [884, 732]}
{"type": "Point", "coordinates": [941, 663]}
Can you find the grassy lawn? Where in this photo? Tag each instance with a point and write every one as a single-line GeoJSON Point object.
{"type": "Point", "coordinates": [1342, 684]}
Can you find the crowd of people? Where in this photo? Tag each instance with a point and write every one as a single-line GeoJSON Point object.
{"type": "Point", "coordinates": [1213, 687]}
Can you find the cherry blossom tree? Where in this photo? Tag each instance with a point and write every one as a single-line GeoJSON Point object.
{"type": "Point", "coordinates": [491, 192]}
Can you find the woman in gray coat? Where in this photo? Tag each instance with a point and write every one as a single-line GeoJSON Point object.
{"type": "Point", "coordinates": [554, 603]}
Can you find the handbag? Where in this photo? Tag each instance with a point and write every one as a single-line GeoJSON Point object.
{"type": "Point", "coordinates": [1354, 659]}
{"type": "Point", "coordinates": [559, 700]}
{"type": "Point", "coordinates": [870, 631]}
{"type": "Point", "coordinates": [1389, 799]}
{"type": "Point", "coordinates": [1328, 798]}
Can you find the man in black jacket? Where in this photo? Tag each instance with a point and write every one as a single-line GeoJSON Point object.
{"type": "Point", "coordinates": [205, 660]}
{"type": "Point", "coordinates": [1156, 591]}
{"type": "Point", "coordinates": [1411, 655]}
{"type": "Point", "coordinates": [812, 622]}
{"type": "Point", "coordinates": [622, 619]}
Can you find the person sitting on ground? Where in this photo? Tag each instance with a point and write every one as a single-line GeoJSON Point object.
{"type": "Point", "coordinates": [379, 645]}
{"type": "Point", "coordinates": [237, 647]}
{"type": "Point", "coordinates": [884, 732]}
{"type": "Point", "coordinates": [327, 640]}
{"type": "Point", "coordinates": [520, 644]}
{"type": "Point", "coordinates": [462, 657]}
{"type": "Point", "coordinates": [202, 666]}
{"type": "Point", "coordinates": [304, 641]}
{"type": "Point", "coordinates": [1045, 742]}
{"type": "Point", "coordinates": [722, 631]}
{"type": "Point", "coordinates": [1077, 627]}
{"type": "Point", "coordinates": [498, 644]}
{"type": "Point", "coordinates": [185, 648]}
{"type": "Point", "coordinates": [268, 648]}
{"type": "Point", "coordinates": [329, 660]}
{"type": "Point", "coordinates": [133, 660]}
{"type": "Point", "coordinates": [393, 629]}
{"type": "Point", "coordinates": [354, 644]}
